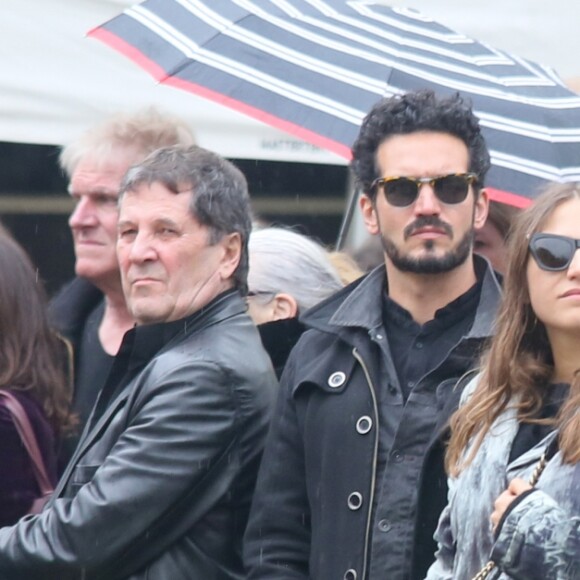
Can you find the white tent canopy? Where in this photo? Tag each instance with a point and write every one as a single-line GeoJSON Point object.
{"type": "Point", "coordinates": [55, 82]}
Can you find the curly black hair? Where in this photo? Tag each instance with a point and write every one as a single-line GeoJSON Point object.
{"type": "Point", "coordinates": [411, 112]}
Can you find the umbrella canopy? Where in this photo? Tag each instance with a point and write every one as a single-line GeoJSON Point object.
{"type": "Point", "coordinates": [315, 67]}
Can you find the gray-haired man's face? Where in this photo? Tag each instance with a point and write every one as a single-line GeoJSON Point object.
{"type": "Point", "coordinates": [168, 267]}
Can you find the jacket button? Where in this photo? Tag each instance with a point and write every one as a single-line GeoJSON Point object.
{"type": "Point", "coordinates": [384, 525]}
{"type": "Point", "coordinates": [397, 456]}
{"type": "Point", "coordinates": [364, 425]}
{"type": "Point", "coordinates": [350, 574]}
{"type": "Point", "coordinates": [355, 501]}
{"type": "Point", "coordinates": [336, 380]}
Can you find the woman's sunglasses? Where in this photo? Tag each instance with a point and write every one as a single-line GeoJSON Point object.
{"type": "Point", "coordinates": [403, 191]}
{"type": "Point", "coordinates": [551, 252]}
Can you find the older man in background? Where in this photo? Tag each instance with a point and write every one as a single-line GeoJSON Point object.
{"type": "Point", "coordinates": [91, 311]}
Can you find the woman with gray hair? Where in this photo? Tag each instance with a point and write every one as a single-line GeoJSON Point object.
{"type": "Point", "coordinates": [289, 273]}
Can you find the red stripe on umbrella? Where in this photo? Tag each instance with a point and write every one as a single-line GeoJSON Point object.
{"type": "Point", "coordinates": [507, 197]}
{"type": "Point", "coordinates": [123, 47]}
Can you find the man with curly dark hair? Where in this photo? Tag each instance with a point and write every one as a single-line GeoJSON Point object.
{"type": "Point", "coordinates": [352, 481]}
{"type": "Point", "coordinates": [410, 113]}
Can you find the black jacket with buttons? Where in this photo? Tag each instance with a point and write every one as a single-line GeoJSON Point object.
{"type": "Point", "coordinates": [316, 511]}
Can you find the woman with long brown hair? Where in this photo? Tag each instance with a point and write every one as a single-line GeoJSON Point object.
{"type": "Point", "coordinates": [31, 371]}
{"type": "Point", "coordinates": [523, 404]}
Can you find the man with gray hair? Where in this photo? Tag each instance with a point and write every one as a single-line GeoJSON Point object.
{"type": "Point", "coordinates": [161, 482]}
{"type": "Point", "coordinates": [90, 311]}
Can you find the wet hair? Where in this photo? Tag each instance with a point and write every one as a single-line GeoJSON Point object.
{"type": "Point", "coordinates": [140, 133]}
{"type": "Point", "coordinates": [285, 261]}
{"type": "Point", "coordinates": [30, 352]}
{"type": "Point", "coordinates": [518, 364]}
{"type": "Point", "coordinates": [410, 113]}
{"type": "Point", "coordinates": [219, 201]}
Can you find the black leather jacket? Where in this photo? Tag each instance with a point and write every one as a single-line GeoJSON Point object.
{"type": "Point", "coordinates": [160, 487]}
{"type": "Point", "coordinates": [69, 311]}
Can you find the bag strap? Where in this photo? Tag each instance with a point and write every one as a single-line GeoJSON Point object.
{"type": "Point", "coordinates": [549, 452]}
{"type": "Point", "coordinates": [28, 438]}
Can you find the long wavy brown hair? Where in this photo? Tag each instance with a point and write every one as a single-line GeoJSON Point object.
{"type": "Point", "coordinates": [518, 364]}
{"type": "Point", "coordinates": [30, 353]}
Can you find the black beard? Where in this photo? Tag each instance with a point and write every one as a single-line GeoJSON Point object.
{"type": "Point", "coordinates": [430, 264]}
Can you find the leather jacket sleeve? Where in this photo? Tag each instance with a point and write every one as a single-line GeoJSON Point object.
{"type": "Point", "coordinates": [179, 426]}
{"type": "Point", "coordinates": [277, 540]}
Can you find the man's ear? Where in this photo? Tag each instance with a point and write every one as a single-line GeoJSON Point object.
{"type": "Point", "coordinates": [369, 214]}
{"type": "Point", "coordinates": [481, 209]}
{"type": "Point", "coordinates": [232, 252]}
{"type": "Point", "coordinates": [284, 306]}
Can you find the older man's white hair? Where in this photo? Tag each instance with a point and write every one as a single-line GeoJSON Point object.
{"type": "Point", "coordinates": [284, 261]}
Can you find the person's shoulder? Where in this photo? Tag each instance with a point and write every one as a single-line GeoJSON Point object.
{"type": "Point", "coordinates": [319, 316]}
{"type": "Point", "coordinates": [230, 346]}
{"type": "Point", "coordinates": [467, 385]}
{"type": "Point", "coordinates": [73, 303]}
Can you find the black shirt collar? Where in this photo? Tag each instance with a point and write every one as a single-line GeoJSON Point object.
{"type": "Point", "coordinates": [459, 308]}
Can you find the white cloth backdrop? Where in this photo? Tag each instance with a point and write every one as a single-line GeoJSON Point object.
{"type": "Point", "coordinates": [55, 82]}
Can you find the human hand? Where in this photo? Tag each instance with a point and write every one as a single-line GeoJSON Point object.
{"type": "Point", "coordinates": [516, 487]}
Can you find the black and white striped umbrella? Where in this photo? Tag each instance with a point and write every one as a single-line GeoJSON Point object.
{"type": "Point", "coordinates": [314, 68]}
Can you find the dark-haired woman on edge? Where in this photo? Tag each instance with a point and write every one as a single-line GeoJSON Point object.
{"type": "Point", "coordinates": [524, 403]}
{"type": "Point", "coordinates": [31, 370]}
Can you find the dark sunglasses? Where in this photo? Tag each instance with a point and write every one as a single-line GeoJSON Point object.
{"type": "Point", "coordinates": [403, 191]}
{"type": "Point", "coordinates": [551, 252]}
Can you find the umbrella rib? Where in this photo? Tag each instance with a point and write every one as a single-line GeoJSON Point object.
{"type": "Point", "coordinates": [542, 170]}
{"type": "Point", "coordinates": [192, 50]}
{"type": "Point", "coordinates": [501, 58]}
{"type": "Point", "coordinates": [186, 46]}
{"type": "Point", "coordinates": [540, 133]}
{"type": "Point", "coordinates": [232, 30]}
{"type": "Point", "coordinates": [400, 39]}
{"type": "Point", "coordinates": [237, 69]}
